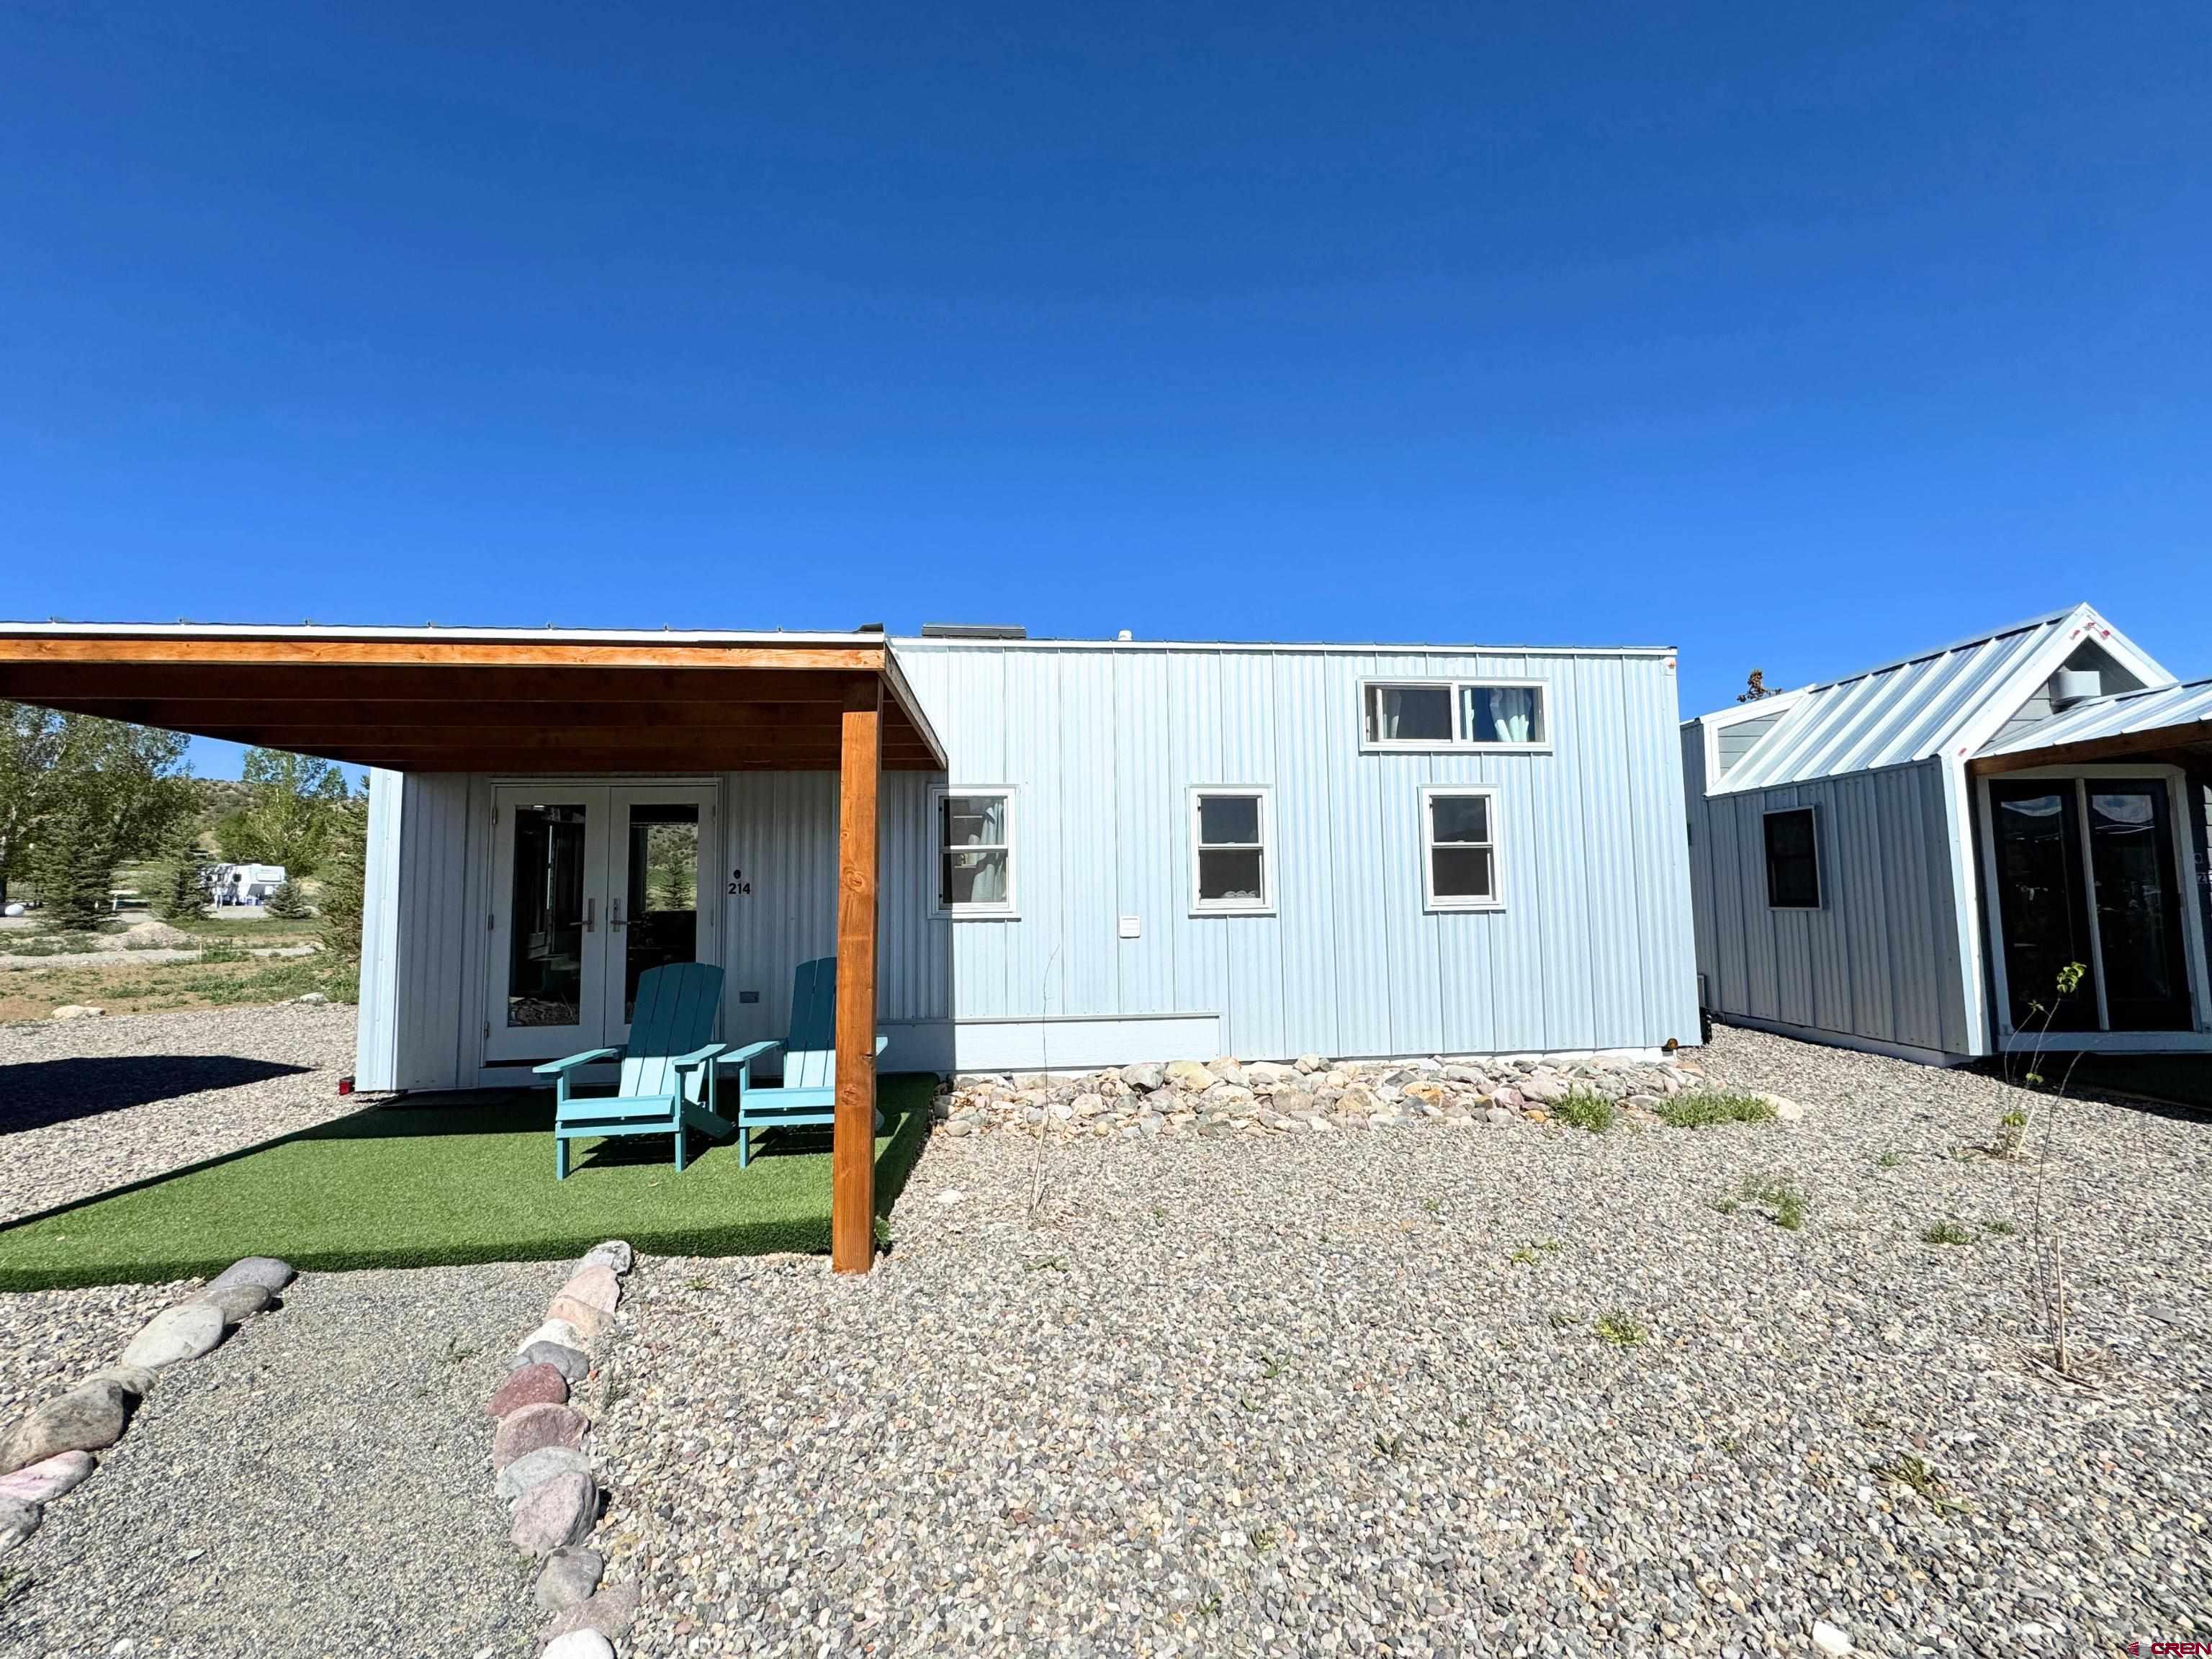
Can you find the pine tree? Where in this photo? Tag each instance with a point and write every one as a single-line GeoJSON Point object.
{"type": "Point", "coordinates": [191, 874]}
{"type": "Point", "coordinates": [286, 901]}
{"type": "Point", "coordinates": [73, 865]}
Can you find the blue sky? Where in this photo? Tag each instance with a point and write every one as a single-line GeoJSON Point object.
{"type": "Point", "coordinates": [1794, 337]}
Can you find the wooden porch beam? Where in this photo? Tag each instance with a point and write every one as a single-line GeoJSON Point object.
{"type": "Point", "coordinates": [853, 1157]}
{"type": "Point", "coordinates": [415, 652]}
{"type": "Point", "coordinates": [211, 718]}
{"type": "Point", "coordinates": [2183, 743]}
{"type": "Point", "coordinates": [89, 685]}
{"type": "Point", "coordinates": [767, 740]}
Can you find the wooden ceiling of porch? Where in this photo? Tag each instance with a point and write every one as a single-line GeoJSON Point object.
{"type": "Point", "coordinates": [482, 705]}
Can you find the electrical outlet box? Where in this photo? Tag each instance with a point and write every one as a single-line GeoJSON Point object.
{"type": "Point", "coordinates": [1129, 927]}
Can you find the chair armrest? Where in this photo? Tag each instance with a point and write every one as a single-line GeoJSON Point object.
{"type": "Point", "coordinates": [697, 1057]}
{"type": "Point", "coordinates": [750, 1051]}
{"type": "Point", "coordinates": [556, 1067]}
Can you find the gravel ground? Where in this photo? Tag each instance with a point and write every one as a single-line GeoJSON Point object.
{"type": "Point", "coordinates": [1353, 1393]}
{"type": "Point", "coordinates": [319, 1485]}
{"type": "Point", "coordinates": [87, 1105]}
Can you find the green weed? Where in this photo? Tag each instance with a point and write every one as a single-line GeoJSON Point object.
{"type": "Point", "coordinates": [1583, 1110]}
{"type": "Point", "coordinates": [1946, 1232]}
{"type": "Point", "coordinates": [1622, 1328]}
{"type": "Point", "coordinates": [1708, 1107]}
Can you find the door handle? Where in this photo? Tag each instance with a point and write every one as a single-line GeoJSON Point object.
{"type": "Point", "coordinates": [614, 916]}
{"type": "Point", "coordinates": [588, 904]}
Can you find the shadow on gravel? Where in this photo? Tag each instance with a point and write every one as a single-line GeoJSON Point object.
{"type": "Point", "coordinates": [39, 1093]}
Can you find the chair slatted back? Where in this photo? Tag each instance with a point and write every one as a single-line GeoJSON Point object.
{"type": "Point", "coordinates": [810, 1053]}
{"type": "Point", "coordinates": [677, 1004]}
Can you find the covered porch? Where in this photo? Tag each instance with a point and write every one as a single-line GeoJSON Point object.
{"type": "Point", "coordinates": [2091, 831]}
{"type": "Point", "coordinates": [589, 753]}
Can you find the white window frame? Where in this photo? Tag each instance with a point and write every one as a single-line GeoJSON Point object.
{"type": "Point", "coordinates": [1007, 910]}
{"type": "Point", "coordinates": [1458, 742]}
{"type": "Point", "coordinates": [1819, 868]}
{"type": "Point", "coordinates": [1452, 903]}
{"type": "Point", "coordinates": [1266, 795]}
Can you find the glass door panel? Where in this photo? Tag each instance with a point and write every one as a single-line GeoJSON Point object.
{"type": "Point", "coordinates": [546, 967]}
{"type": "Point", "coordinates": [2138, 906]}
{"type": "Point", "coordinates": [2041, 903]}
{"type": "Point", "coordinates": [662, 905]}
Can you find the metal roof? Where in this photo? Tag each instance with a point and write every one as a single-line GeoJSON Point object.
{"type": "Point", "coordinates": [1903, 711]}
{"type": "Point", "coordinates": [2117, 715]}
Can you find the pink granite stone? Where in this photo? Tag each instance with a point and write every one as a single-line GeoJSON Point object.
{"type": "Point", "coordinates": [533, 1385]}
{"type": "Point", "coordinates": [592, 1322]}
{"type": "Point", "coordinates": [530, 1427]}
{"type": "Point", "coordinates": [595, 1286]}
{"type": "Point", "coordinates": [43, 1482]}
{"type": "Point", "coordinates": [556, 1513]}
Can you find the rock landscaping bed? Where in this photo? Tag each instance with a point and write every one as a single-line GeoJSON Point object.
{"type": "Point", "coordinates": [316, 1486]}
{"type": "Point", "coordinates": [1520, 1389]}
{"type": "Point", "coordinates": [1312, 1094]}
{"type": "Point", "coordinates": [542, 1465]}
{"type": "Point", "coordinates": [48, 1452]}
{"type": "Point", "coordinates": [91, 1104]}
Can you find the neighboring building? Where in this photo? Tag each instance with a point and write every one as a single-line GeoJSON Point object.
{"type": "Point", "coordinates": [1906, 859]}
{"type": "Point", "coordinates": [1091, 853]}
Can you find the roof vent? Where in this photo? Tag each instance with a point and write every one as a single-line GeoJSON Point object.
{"type": "Point", "coordinates": [971, 631]}
{"type": "Point", "coordinates": [2071, 685]}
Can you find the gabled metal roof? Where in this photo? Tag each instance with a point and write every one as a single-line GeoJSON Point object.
{"type": "Point", "coordinates": [1908, 710]}
{"type": "Point", "coordinates": [2121, 714]}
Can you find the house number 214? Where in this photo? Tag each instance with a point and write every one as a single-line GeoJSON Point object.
{"type": "Point", "coordinates": [739, 884]}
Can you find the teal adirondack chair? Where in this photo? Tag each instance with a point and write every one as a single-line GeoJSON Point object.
{"type": "Point", "coordinates": [667, 1083]}
{"type": "Point", "coordinates": [808, 1094]}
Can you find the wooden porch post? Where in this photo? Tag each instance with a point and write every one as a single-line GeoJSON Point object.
{"type": "Point", "coordinates": [852, 1179]}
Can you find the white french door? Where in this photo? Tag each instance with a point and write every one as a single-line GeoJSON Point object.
{"type": "Point", "coordinates": [591, 884]}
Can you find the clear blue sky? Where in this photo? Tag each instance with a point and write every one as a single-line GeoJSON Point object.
{"type": "Point", "coordinates": [1795, 337]}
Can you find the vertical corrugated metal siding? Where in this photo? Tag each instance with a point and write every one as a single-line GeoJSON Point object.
{"type": "Point", "coordinates": [1592, 949]}
{"type": "Point", "coordinates": [1881, 958]}
{"type": "Point", "coordinates": [376, 1064]}
{"type": "Point", "coordinates": [419, 962]}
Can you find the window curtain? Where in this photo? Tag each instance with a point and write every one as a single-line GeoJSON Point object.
{"type": "Point", "coordinates": [1512, 710]}
{"type": "Point", "coordinates": [987, 885]}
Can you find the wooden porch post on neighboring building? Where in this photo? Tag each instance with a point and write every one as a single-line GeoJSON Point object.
{"type": "Point", "coordinates": [853, 1177]}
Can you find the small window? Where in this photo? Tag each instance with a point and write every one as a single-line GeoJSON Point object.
{"type": "Point", "coordinates": [1455, 715]}
{"type": "Point", "coordinates": [975, 851]}
{"type": "Point", "coordinates": [1460, 826]}
{"type": "Point", "coordinates": [1793, 860]}
{"type": "Point", "coordinates": [1229, 854]}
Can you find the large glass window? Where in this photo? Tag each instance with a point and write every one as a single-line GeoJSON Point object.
{"type": "Point", "coordinates": [1229, 854]}
{"type": "Point", "coordinates": [661, 920]}
{"type": "Point", "coordinates": [975, 851]}
{"type": "Point", "coordinates": [545, 942]}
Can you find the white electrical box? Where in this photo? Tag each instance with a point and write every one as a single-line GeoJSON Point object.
{"type": "Point", "coordinates": [1129, 929]}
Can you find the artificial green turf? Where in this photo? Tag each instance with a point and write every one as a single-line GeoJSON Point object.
{"type": "Point", "coordinates": [421, 1184]}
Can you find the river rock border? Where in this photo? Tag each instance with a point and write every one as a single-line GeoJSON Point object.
{"type": "Point", "coordinates": [50, 1452]}
{"type": "Point", "coordinates": [542, 1466]}
{"type": "Point", "coordinates": [1309, 1095]}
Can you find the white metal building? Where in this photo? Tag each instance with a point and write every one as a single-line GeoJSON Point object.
{"type": "Point", "coordinates": [1906, 859]}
